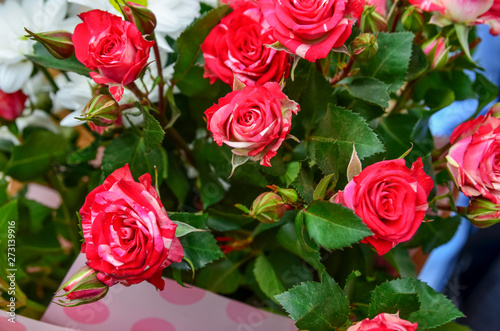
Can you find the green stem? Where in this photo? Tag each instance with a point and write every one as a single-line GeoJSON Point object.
{"type": "Point", "coordinates": [161, 83]}
{"type": "Point", "coordinates": [49, 77]}
{"type": "Point", "coordinates": [35, 305]}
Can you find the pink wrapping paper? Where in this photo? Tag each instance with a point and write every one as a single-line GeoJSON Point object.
{"type": "Point", "coordinates": [142, 308]}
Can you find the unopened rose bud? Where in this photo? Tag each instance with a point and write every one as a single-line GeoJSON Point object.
{"type": "Point", "coordinates": [83, 287]}
{"type": "Point", "coordinates": [365, 46]}
{"type": "Point", "coordinates": [372, 21]}
{"type": "Point", "coordinates": [412, 19]}
{"type": "Point", "coordinates": [57, 43]}
{"type": "Point", "coordinates": [143, 18]}
{"type": "Point", "coordinates": [483, 213]}
{"type": "Point", "coordinates": [437, 52]}
{"type": "Point", "coordinates": [268, 208]}
{"type": "Point", "coordinates": [289, 195]}
{"type": "Point", "coordinates": [102, 110]}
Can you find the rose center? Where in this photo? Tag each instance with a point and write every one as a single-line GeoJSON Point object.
{"type": "Point", "coordinates": [126, 233]}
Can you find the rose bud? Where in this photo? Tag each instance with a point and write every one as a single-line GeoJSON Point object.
{"type": "Point", "coordinates": [143, 18]}
{"type": "Point", "coordinates": [11, 105]}
{"type": "Point", "coordinates": [57, 43]}
{"type": "Point", "coordinates": [384, 321]}
{"type": "Point", "coordinates": [372, 21]}
{"type": "Point", "coordinates": [83, 287]}
{"type": "Point", "coordinates": [289, 195]}
{"type": "Point", "coordinates": [102, 110]}
{"type": "Point", "coordinates": [483, 213]}
{"type": "Point", "coordinates": [436, 52]}
{"type": "Point", "coordinates": [268, 208]}
{"type": "Point", "coordinates": [412, 19]}
{"type": "Point", "coordinates": [365, 46]}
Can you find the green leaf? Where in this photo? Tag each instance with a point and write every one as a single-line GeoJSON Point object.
{"type": "Point", "coordinates": [304, 184]}
{"type": "Point", "coordinates": [335, 136]}
{"type": "Point", "coordinates": [287, 237]}
{"type": "Point", "coordinates": [188, 43]}
{"type": "Point", "coordinates": [292, 171]}
{"type": "Point", "coordinates": [130, 148]}
{"type": "Point", "coordinates": [316, 306]}
{"type": "Point", "coordinates": [452, 326]}
{"type": "Point", "coordinates": [221, 221]}
{"type": "Point", "coordinates": [320, 190]}
{"type": "Point", "coordinates": [43, 58]}
{"type": "Point", "coordinates": [435, 233]}
{"type": "Point", "coordinates": [300, 229]}
{"type": "Point", "coordinates": [463, 38]}
{"type": "Point", "coordinates": [266, 277]}
{"type": "Point", "coordinates": [418, 62]}
{"type": "Point", "coordinates": [333, 226]}
{"type": "Point", "coordinates": [391, 297]}
{"type": "Point", "coordinates": [390, 64]}
{"type": "Point", "coordinates": [399, 257]}
{"type": "Point", "coordinates": [222, 277]}
{"type": "Point", "coordinates": [199, 247]}
{"type": "Point", "coordinates": [34, 157]}
{"type": "Point", "coordinates": [198, 221]}
{"type": "Point", "coordinates": [153, 133]}
{"type": "Point", "coordinates": [435, 308]}
{"type": "Point", "coordinates": [485, 90]}
{"type": "Point", "coordinates": [438, 98]}
{"type": "Point", "coordinates": [371, 90]}
{"type": "Point", "coordinates": [184, 229]}
{"type": "Point", "coordinates": [175, 112]}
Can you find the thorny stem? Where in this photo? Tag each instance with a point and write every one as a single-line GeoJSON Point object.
{"type": "Point", "coordinates": [161, 83]}
{"type": "Point", "coordinates": [170, 133]}
{"type": "Point", "coordinates": [345, 72]}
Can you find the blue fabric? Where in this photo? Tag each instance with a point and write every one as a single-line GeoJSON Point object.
{"type": "Point", "coordinates": [441, 262]}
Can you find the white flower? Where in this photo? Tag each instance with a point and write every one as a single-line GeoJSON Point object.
{"type": "Point", "coordinates": [37, 16]}
{"type": "Point", "coordinates": [174, 16]}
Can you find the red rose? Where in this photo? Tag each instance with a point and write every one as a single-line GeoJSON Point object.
{"type": "Point", "coordinates": [128, 235]}
{"type": "Point", "coordinates": [113, 47]}
{"type": "Point", "coordinates": [311, 29]}
{"type": "Point", "coordinates": [237, 47]}
{"type": "Point", "coordinates": [390, 199]}
{"type": "Point", "coordinates": [474, 154]}
{"type": "Point", "coordinates": [254, 121]}
{"type": "Point", "coordinates": [384, 322]}
{"type": "Point", "coordinates": [12, 104]}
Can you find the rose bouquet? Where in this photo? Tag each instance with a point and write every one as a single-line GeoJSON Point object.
{"type": "Point", "coordinates": [277, 152]}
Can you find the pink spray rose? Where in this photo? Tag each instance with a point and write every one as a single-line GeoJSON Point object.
{"type": "Point", "coordinates": [128, 235]}
{"type": "Point", "coordinates": [469, 12]}
{"type": "Point", "coordinates": [310, 29]}
{"type": "Point", "coordinates": [474, 154]}
{"type": "Point", "coordinates": [113, 47]}
{"type": "Point", "coordinates": [384, 322]}
{"type": "Point", "coordinates": [390, 199]}
{"type": "Point", "coordinates": [380, 6]}
{"type": "Point", "coordinates": [12, 104]}
{"type": "Point", "coordinates": [237, 47]}
{"type": "Point", "coordinates": [254, 121]}
{"type": "Point", "coordinates": [436, 51]}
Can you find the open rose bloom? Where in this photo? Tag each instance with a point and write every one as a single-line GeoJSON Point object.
{"type": "Point", "coordinates": [384, 322]}
{"type": "Point", "coordinates": [128, 235]}
{"type": "Point", "coordinates": [473, 156]}
{"type": "Point", "coordinates": [390, 199]}
{"type": "Point", "coordinates": [469, 12]}
{"type": "Point", "coordinates": [254, 121]}
{"type": "Point", "coordinates": [310, 29]}
{"type": "Point", "coordinates": [237, 47]}
{"type": "Point", "coordinates": [113, 47]}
